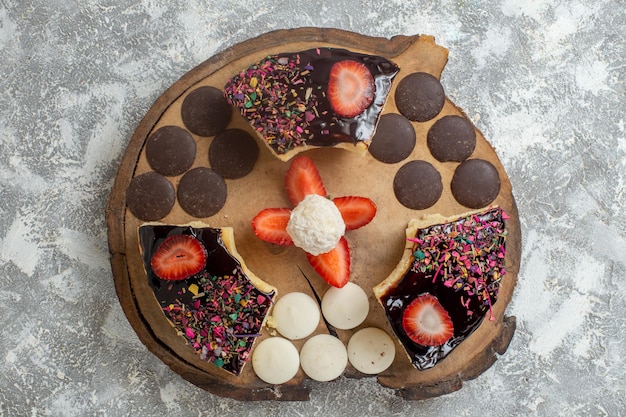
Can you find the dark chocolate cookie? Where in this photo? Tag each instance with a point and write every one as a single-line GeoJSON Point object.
{"type": "Point", "coordinates": [202, 192]}
{"type": "Point", "coordinates": [205, 111]}
{"type": "Point", "coordinates": [417, 185]}
{"type": "Point", "coordinates": [451, 139]}
{"type": "Point", "coordinates": [420, 96]}
{"type": "Point", "coordinates": [233, 153]}
{"type": "Point", "coordinates": [150, 196]}
{"type": "Point", "coordinates": [475, 183]}
{"type": "Point", "coordinates": [170, 150]}
{"type": "Point", "coordinates": [394, 139]}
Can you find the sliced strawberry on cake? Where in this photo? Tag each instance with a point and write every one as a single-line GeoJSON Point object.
{"type": "Point", "coordinates": [351, 88]}
{"type": "Point", "coordinates": [426, 322]}
{"type": "Point", "coordinates": [178, 257]}
{"type": "Point", "coordinates": [316, 224]}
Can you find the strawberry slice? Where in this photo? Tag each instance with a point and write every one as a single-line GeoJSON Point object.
{"type": "Point", "coordinates": [426, 322]}
{"type": "Point", "coordinates": [355, 211]}
{"type": "Point", "coordinates": [351, 88]}
{"type": "Point", "coordinates": [271, 226]}
{"type": "Point", "coordinates": [333, 266]}
{"type": "Point", "coordinates": [303, 178]}
{"type": "Point", "coordinates": [178, 257]}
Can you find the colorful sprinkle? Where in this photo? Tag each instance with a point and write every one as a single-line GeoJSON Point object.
{"type": "Point", "coordinates": [273, 105]}
{"type": "Point", "coordinates": [223, 324]}
{"type": "Point", "coordinates": [219, 312]}
{"type": "Point", "coordinates": [467, 255]}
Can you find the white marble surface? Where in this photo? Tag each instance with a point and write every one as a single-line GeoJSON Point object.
{"type": "Point", "coordinates": [543, 80]}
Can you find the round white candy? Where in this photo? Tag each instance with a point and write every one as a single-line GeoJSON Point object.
{"type": "Point", "coordinates": [275, 360]}
{"type": "Point", "coordinates": [371, 350]}
{"type": "Point", "coordinates": [323, 357]}
{"type": "Point", "coordinates": [296, 315]}
{"type": "Point", "coordinates": [346, 307]}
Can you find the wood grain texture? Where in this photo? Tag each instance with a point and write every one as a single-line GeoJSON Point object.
{"type": "Point", "coordinates": [383, 237]}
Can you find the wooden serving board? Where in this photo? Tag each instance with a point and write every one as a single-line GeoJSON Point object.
{"type": "Point", "coordinates": [376, 248]}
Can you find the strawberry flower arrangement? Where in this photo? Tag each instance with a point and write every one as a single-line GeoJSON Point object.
{"type": "Point", "coordinates": [316, 223]}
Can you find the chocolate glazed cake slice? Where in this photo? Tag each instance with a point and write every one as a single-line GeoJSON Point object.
{"type": "Point", "coordinates": [320, 97]}
{"type": "Point", "coordinates": [446, 283]}
{"type": "Point", "coordinates": [206, 292]}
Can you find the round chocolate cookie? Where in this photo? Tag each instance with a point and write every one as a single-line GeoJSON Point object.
{"type": "Point", "coordinates": [451, 138]}
{"type": "Point", "coordinates": [205, 111]}
{"type": "Point", "coordinates": [419, 96]}
{"type": "Point", "coordinates": [201, 192]}
{"type": "Point", "coordinates": [233, 153]}
{"type": "Point", "coordinates": [417, 185]}
{"type": "Point", "coordinates": [170, 150]}
{"type": "Point", "coordinates": [475, 183]}
{"type": "Point", "coordinates": [150, 196]}
{"type": "Point", "coordinates": [394, 139]}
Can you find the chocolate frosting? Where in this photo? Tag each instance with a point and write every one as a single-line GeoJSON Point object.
{"type": "Point", "coordinates": [451, 138]}
{"type": "Point", "coordinates": [205, 111]}
{"type": "Point", "coordinates": [475, 183]}
{"type": "Point", "coordinates": [202, 192]}
{"type": "Point", "coordinates": [223, 279]}
{"type": "Point", "coordinates": [419, 96]}
{"type": "Point", "coordinates": [467, 296]}
{"type": "Point", "coordinates": [394, 139]}
{"type": "Point", "coordinates": [291, 108]}
{"type": "Point", "coordinates": [170, 150]}
{"type": "Point", "coordinates": [417, 185]}
{"type": "Point", "coordinates": [150, 196]}
{"type": "Point", "coordinates": [233, 153]}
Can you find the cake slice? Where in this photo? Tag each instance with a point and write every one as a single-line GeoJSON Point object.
{"type": "Point", "coordinates": [446, 282]}
{"type": "Point", "coordinates": [206, 291]}
{"type": "Point", "coordinates": [322, 97]}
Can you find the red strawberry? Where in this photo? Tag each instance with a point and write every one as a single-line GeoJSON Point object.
{"type": "Point", "coordinates": [271, 226]}
{"type": "Point", "coordinates": [426, 322]}
{"type": "Point", "coordinates": [351, 88]}
{"type": "Point", "coordinates": [303, 178]}
{"type": "Point", "coordinates": [355, 211]}
{"type": "Point", "coordinates": [333, 266]}
{"type": "Point", "coordinates": [178, 257]}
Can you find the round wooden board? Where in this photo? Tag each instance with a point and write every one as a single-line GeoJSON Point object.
{"type": "Point", "coordinates": [376, 248]}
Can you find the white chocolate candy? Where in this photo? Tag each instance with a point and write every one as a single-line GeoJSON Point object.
{"type": "Point", "coordinates": [296, 315]}
{"type": "Point", "coordinates": [345, 308]}
{"type": "Point", "coordinates": [371, 350]}
{"type": "Point", "coordinates": [323, 357]}
{"type": "Point", "coordinates": [275, 360]}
